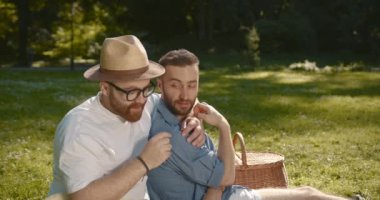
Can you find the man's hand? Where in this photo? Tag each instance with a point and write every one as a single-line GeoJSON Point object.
{"type": "Point", "coordinates": [209, 114]}
{"type": "Point", "coordinates": [193, 130]}
{"type": "Point", "coordinates": [157, 150]}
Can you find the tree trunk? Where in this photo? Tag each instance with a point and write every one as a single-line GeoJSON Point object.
{"type": "Point", "coordinates": [201, 20]}
{"type": "Point", "coordinates": [210, 20]}
{"type": "Point", "coordinates": [72, 37]}
{"type": "Point", "coordinates": [205, 19]}
{"type": "Point", "coordinates": [23, 24]}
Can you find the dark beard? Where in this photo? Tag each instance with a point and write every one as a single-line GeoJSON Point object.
{"type": "Point", "coordinates": [127, 115]}
{"type": "Point", "coordinates": [178, 112]}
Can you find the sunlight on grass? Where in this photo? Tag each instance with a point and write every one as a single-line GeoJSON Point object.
{"type": "Point", "coordinates": [279, 77]}
{"type": "Point", "coordinates": [251, 75]}
{"type": "Point", "coordinates": [26, 163]}
{"type": "Point", "coordinates": [288, 78]}
{"type": "Point", "coordinates": [326, 124]}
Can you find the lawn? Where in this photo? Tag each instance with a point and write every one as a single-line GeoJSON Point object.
{"type": "Point", "coordinates": [326, 124]}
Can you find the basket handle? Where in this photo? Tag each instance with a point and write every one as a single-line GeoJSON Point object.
{"type": "Point", "coordinates": [239, 136]}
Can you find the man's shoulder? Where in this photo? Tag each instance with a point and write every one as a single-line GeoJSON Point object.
{"type": "Point", "coordinates": [84, 109]}
{"type": "Point", "coordinates": [152, 102]}
{"type": "Point", "coordinates": [78, 116]}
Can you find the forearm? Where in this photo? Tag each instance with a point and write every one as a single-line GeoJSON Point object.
{"type": "Point", "coordinates": [213, 194]}
{"type": "Point", "coordinates": [226, 149]}
{"type": "Point", "coordinates": [114, 185]}
{"type": "Point", "coordinates": [226, 153]}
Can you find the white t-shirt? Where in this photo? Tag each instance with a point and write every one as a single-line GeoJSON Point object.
{"type": "Point", "coordinates": [91, 141]}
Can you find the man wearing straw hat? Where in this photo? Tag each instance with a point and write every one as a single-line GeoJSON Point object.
{"type": "Point", "coordinates": [101, 148]}
{"type": "Point", "coordinates": [200, 173]}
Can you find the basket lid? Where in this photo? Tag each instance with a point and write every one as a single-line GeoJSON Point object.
{"type": "Point", "coordinates": [257, 158]}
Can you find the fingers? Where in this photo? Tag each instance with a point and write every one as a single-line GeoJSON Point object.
{"type": "Point", "coordinates": [157, 150]}
{"type": "Point", "coordinates": [184, 124]}
{"type": "Point", "coordinates": [194, 132]}
{"type": "Point", "coordinates": [167, 147]}
{"type": "Point", "coordinates": [163, 140]}
{"type": "Point", "coordinates": [188, 126]}
{"type": "Point", "coordinates": [201, 108]}
{"type": "Point", "coordinates": [161, 135]}
{"type": "Point", "coordinates": [199, 141]}
{"type": "Point", "coordinates": [201, 116]}
{"type": "Point", "coordinates": [197, 131]}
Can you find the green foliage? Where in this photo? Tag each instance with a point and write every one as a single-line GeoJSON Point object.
{"type": "Point", "coordinates": [253, 41]}
{"type": "Point", "coordinates": [343, 24]}
{"type": "Point", "coordinates": [290, 33]}
{"type": "Point", "coordinates": [7, 29]}
{"type": "Point", "coordinates": [8, 16]}
{"type": "Point", "coordinates": [284, 26]}
{"type": "Point", "coordinates": [85, 33]}
{"type": "Point", "coordinates": [159, 19]}
{"type": "Point", "coordinates": [326, 125]}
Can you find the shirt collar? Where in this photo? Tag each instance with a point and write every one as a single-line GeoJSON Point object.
{"type": "Point", "coordinates": [167, 114]}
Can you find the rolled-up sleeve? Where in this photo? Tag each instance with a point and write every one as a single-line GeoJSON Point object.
{"type": "Point", "coordinates": [200, 165]}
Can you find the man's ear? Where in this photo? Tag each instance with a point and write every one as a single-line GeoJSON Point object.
{"type": "Point", "coordinates": [104, 88]}
{"type": "Point", "coordinates": [159, 84]}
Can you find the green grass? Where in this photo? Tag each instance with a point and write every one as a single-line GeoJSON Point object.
{"type": "Point", "coordinates": [326, 125]}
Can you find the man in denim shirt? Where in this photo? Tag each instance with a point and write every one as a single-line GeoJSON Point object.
{"type": "Point", "coordinates": [199, 173]}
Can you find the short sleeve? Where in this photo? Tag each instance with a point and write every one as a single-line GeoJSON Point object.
{"type": "Point", "coordinates": [79, 162]}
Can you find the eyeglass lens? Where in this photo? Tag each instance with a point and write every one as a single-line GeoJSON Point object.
{"type": "Point", "coordinates": [134, 93]}
{"type": "Point", "coordinates": [147, 91]}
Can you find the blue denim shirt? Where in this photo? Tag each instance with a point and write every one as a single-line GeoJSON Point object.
{"type": "Point", "coordinates": [189, 171]}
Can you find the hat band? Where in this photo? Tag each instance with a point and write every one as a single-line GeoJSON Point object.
{"type": "Point", "coordinates": [133, 72]}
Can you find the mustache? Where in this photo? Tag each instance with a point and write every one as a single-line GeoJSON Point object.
{"type": "Point", "coordinates": [136, 105]}
{"type": "Point", "coordinates": [183, 101]}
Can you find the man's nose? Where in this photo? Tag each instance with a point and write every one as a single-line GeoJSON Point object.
{"type": "Point", "coordinates": [140, 98]}
{"type": "Point", "coordinates": [183, 93]}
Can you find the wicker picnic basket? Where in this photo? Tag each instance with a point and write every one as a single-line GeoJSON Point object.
{"type": "Point", "coordinates": [258, 169]}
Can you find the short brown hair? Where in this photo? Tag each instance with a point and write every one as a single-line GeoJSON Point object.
{"type": "Point", "coordinates": [180, 57]}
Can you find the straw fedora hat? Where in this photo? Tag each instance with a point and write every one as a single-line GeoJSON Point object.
{"type": "Point", "coordinates": [123, 59]}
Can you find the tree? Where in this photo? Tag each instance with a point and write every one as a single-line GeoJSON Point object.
{"type": "Point", "coordinates": [88, 27]}
{"type": "Point", "coordinates": [8, 47]}
{"type": "Point", "coordinates": [204, 15]}
{"type": "Point", "coordinates": [253, 43]}
{"type": "Point", "coordinates": [23, 14]}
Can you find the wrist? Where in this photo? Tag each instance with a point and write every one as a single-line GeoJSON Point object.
{"type": "Point", "coordinates": [223, 124]}
{"type": "Point", "coordinates": [142, 161]}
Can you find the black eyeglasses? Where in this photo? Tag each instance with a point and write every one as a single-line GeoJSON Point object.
{"type": "Point", "coordinates": [132, 95]}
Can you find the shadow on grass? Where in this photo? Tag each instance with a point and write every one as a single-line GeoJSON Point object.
{"type": "Point", "coordinates": [277, 98]}
{"type": "Point", "coordinates": [37, 100]}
